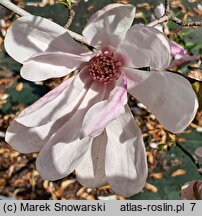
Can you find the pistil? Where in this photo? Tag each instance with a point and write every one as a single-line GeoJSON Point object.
{"type": "Point", "coordinates": [105, 67]}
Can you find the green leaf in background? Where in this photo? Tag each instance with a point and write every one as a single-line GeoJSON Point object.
{"type": "Point", "coordinates": [193, 39]}
{"type": "Point", "coordinates": [28, 95]}
{"type": "Point", "coordinates": [57, 13]}
{"type": "Point", "coordinates": [8, 62]}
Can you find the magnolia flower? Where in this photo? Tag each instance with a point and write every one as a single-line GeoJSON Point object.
{"type": "Point", "coordinates": [85, 124]}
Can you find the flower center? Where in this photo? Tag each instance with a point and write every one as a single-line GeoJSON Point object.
{"type": "Point", "coordinates": [105, 67]}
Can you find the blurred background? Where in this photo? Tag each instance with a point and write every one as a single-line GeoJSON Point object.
{"type": "Point", "coordinates": [172, 159]}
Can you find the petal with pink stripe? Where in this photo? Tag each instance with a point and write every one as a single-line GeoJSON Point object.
{"type": "Point", "coordinates": [99, 115]}
{"type": "Point", "coordinates": [47, 109]}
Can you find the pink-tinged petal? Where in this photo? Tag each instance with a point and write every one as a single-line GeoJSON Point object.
{"type": "Point", "coordinates": [51, 65]}
{"type": "Point", "coordinates": [30, 35]}
{"type": "Point", "coordinates": [51, 95]}
{"type": "Point", "coordinates": [177, 49]}
{"type": "Point", "coordinates": [99, 115]}
{"type": "Point", "coordinates": [54, 105]}
{"type": "Point", "coordinates": [108, 26]}
{"type": "Point", "coordinates": [31, 139]}
{"type": "Point", "coordinates": [125, 163]}
{"type": "Point", "coordinates": [64, 150]}
{"type": "Point", "coordinates": [91, 170]}
{"type": "Point", "coordinates": [27, 140]}
{"type": "Point", "coordinates": [168, 96]}
{"type": "Point", "coordinates": [145, 46]}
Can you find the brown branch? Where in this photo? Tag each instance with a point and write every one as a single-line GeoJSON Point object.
{"type": "Point", "coordinates": [170, 16]}
{"type": "Point", "coordinates": [184, 23]}
{"type": "Point", "coordinates": [167, 5]}
{"type": "Point", "coordinates": [70, 18]}
{"type": "Point", "coordinates": [165, 18]}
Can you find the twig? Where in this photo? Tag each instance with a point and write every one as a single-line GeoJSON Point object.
{"type": "Point", "coordinates": [170, 16]}
{"type": "Point", "coordinates": [14, 8]}
{"type": "Point", "coordinates": [19, 11]}
{"type": "Point", "coordinates": [186, 24]}
{"type": "Point", "coordinates": [192, 157]}
{"type": "Point", "coordinates": [70, 18]}
{"type": "Point", "coordinates": [167, 6]}
{"type": "Point", "coordinates": [165, 18]}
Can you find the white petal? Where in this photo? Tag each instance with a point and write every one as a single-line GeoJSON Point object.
{"type": "Point", "coordinates": [109, 25]}
{"type": "Point", "coordinates": [30, 35]}
{"type": "Point", "coordinates": [168, 96]}
{"type": "Point", "coordinates": [62, 153]}
{"type": "Point", "coordinates": [145, 46]}
{"type": "Point", "coordinates": [51, 65]}
{"type": "Point", "coordinates": [125, 165]}
{"type": "Point", "coordinates": [91, 170]}
{"type": "Point", "coordinates": [52, 108]}
{"type": "Point", "coordinates": [102, 11]}
{"type": "Point", "coordinates": [64, 150]}
{"type": "Point", "coordinates": [27, 140]}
